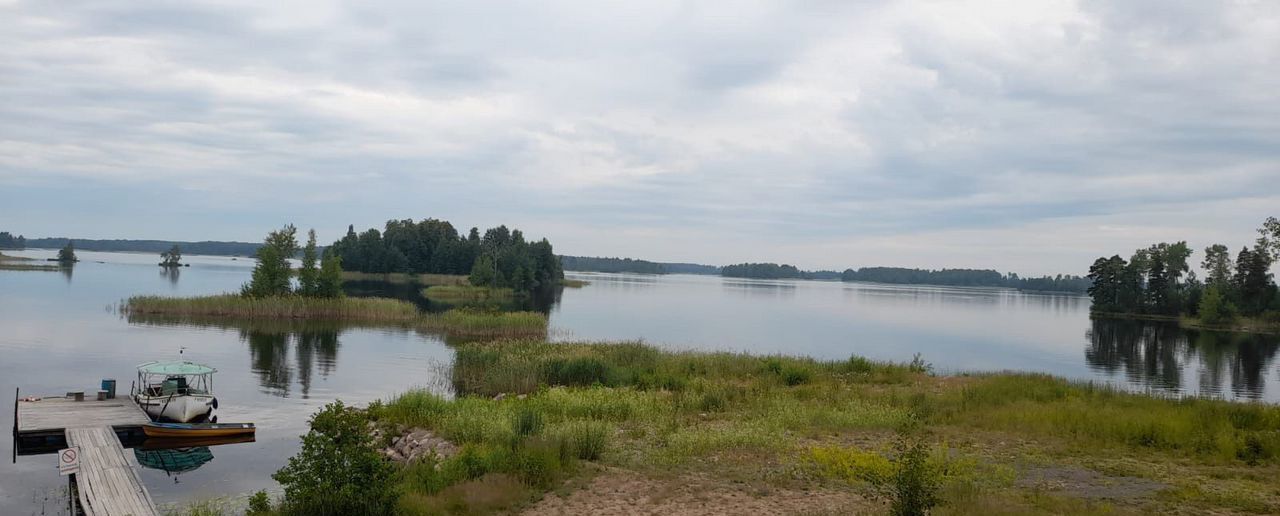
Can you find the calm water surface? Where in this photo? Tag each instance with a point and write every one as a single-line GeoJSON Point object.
{"type": "Point", "coordinates": [60, 331]}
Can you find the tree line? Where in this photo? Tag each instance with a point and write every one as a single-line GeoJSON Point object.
{"type": "Point", "coordinates": [1158, 280]}
{"type": "Point", "coordinates": [273, 275]}
{"type": "Point", "coordinates": [762, 271]}
{"type": "Point", "coordinates": [501, 257]}
{"type": "Point", "coordinates": [8, 241]}
{"type": "Point", "coordinates": [599, 264]}
{"type": "Point", "coordinates": [966, 278]}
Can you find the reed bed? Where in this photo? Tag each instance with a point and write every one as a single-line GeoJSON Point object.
{"type": "Point", "coordinates": [467, 294]}
{"type": "Point", "coordinates": [574, 283]}
{"type": "Point", "coordinates": [284, 307]}
{"type": "Point", "coordinates": [477, 323]}
{"type": "Point", "coordinates": [8, 265]}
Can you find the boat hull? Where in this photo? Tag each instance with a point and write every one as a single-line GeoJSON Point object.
{"type": "Point", "coordinates": [189, 431]}
{"type": "Point", "coordinates": [183, 409]}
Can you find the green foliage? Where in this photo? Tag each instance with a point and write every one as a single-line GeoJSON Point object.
{"type": "Point", "coordinates": [761, 271]}
{"type": "Point", "coordinates": [67, 255]}
{"type": "Point", "coordinates": [308, 273]}
{"type": "Point", "coordinates": [172, 257]}
{"type": "Point", "coordinates": [1214, 309]}
{"type": "Point", "coordinates": [329, 284]}
{"type": "Point", "coordinates": [272, 276]}
{"type": "Point", "coordinates": [965, 278]}
{"type": "Point", "coordinates": [501, 258]}
{"type": "Point", "coordinates": [338, 471]}
{"type": "Point", "coordinates": [527, 422]}
{"type": "Point", "coordinates": [259, 504]}
{"type": "Point", "coordinates": [484, 273]}
{"type": "Point", "coordinates": [587, 439]}
{"type": "Point", "coordinates": [584, 263]}
{"type": "Point", "coordinates": [794, 375]}
{"type": "Point", "coordinates": [466, 294]}
{"type": "Point", "coordinates": [915, 486]}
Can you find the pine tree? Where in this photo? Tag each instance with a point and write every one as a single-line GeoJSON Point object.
{"type": "Point", "coordinates": [308, 275]}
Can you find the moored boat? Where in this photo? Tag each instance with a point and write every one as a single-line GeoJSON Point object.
{"type": "Point", "coordinates": [194, 430]}
{"type": "Point", "coordinates": [179, 391]}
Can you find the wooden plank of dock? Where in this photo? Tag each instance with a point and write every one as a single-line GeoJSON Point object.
{"type": "Point", "coordinates": [55, 414]}
{"type": "Point", "coordinates": [107, 483]}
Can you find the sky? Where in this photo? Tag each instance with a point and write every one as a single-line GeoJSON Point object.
{"type": "Point", "coordinates": [1026, 136]}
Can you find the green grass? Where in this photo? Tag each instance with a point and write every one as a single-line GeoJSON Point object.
{"type": "Point", "coordinates": [291, 307]}
{"type": "Point", "coordinates": [476, 323]}
{"type": "Point", "coordinates": [635, 406]}
{"type": "Point", "coordinates": [574, 283]}
{"type": "Point", "coordinates": [466, 294]}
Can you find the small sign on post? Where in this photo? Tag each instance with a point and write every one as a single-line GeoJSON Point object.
{"type": "Point", "coordinates": [69, 460]}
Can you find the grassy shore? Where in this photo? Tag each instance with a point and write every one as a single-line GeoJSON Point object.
{"type": "Point", "coordinates": [574, 283]}
{"type": "Point", "coordinates": [367, 311]}
{"type": "Point", "coordinates": [289, 307]}
{"type": "Point", "coordinates": [467, 294]}
{"type": "Point", "coordinates": [1262, 325]}
{"type": "Point", "coordinates": [19, 263]}
{"type": "Point", "coordinates": [476, 323]}
{"type": "Point", "coordinates": [996, 443]}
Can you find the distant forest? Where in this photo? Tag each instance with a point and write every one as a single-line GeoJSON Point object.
{"type": "Point", "coordinates": [905, 276]}
{"type": "Point", "coordinates": [599, 264]}
{"type": "Point", "coordinates": [966, 278]}
{"type": "Point", "coordinates": [499, 258]}
{"type": "Point", "coordinates": [210, 248]}
{"type": "Point", "coordinates": [8, 241]}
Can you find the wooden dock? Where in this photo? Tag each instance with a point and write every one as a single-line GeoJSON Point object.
{"type": "Point", "coordinates": [107, 483]}
{"type": "Point", "coordinates": [52, 416]}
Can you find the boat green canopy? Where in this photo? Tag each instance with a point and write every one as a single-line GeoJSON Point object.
{"type": "Point", "coordinates": [182, 368]}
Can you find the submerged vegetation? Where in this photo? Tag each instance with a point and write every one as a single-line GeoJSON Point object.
{"type": "Point", "coordinates": [532, 415]}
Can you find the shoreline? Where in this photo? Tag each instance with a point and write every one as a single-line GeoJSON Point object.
{"type": "Point", "coordinates": [539, 427]}
{"type": "Point", "coordinates": [1245, 325]}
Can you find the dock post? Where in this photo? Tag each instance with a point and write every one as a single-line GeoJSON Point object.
{"type": "Point", "coordinates": [16, 392]}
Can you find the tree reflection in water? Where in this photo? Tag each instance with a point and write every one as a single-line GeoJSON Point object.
{"type": "Point", "coordinates": [1159, 356]}
{"type": "Point", "coordinates": [269, 352]}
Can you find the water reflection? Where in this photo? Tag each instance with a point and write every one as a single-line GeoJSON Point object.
{"type": "Point", "coordinates": [1162, 356]}
{"type": "Point", "coordinates": [314, 349]}
{"type": "Point", "coordinates": [171, 274]}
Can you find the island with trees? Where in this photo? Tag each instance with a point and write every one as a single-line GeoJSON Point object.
{"type": "Point", "coordinates": [272, 294]}
{"type": "Point", "coordinates": [1157, 282]}
{"type": "Point", "coordinates": [172, 258]}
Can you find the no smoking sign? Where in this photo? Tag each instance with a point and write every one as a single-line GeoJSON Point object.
{"type": "Point", "coordinates": [69, 460]}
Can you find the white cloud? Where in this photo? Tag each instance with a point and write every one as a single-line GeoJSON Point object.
{"type": "Point", "coordinates": [838, 133]}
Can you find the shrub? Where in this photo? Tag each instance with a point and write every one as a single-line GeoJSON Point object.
{"type": "Point", "coordinates": [540, 462]}
{"type": "Point", "coordinates": [578, 371]}
{"type": "Point", "coordinates": [527, 422]}
{"type": "Point", "coordinates": [915, 486]}
{"type": "Point", "coordinates": [587, 439]}
{"type": "Point", "coordinates": [259, 504]}
{"type": "Point", "coordinates": [338, 470]}
{"type": "Point", "coordinates": [795, 375]}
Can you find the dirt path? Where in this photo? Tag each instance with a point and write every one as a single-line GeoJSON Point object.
{"type": "Point", "coordinates": [618, 491]}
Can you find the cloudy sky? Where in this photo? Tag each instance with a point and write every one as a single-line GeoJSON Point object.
{"type": "Point", "coordinates": [1022, 135]}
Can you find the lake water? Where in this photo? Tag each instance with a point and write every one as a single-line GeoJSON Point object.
{"type": "Point", "coordinates": [60, 331]}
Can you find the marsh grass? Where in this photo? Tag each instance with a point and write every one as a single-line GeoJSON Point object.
{"type": "Point", "coordinates": [289, 307]}
{"type": "Point", "coordinates": [574, 283]}
{"type": "Point", "coordinates": [635, 406]}
{"type": "Point", "coordinates": [465, 322]}
{"type": "Point", "coordinates": [27, 266]}
{"type": "Point", "coordinates": [467, 294]}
